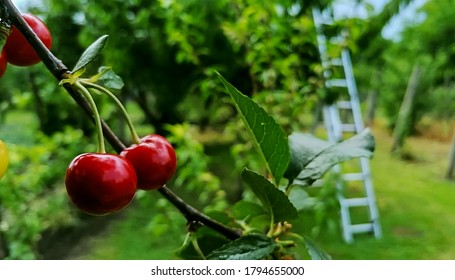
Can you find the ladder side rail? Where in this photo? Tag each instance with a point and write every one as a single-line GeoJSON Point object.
{"type": "Point", "coordinates": [370, 194]}
{"type": "Point", "coordinates": [352, 88]}
{"type": "Point", "coordinates": [333, 123]}
{"type": "Point", "coordinates": [346, 223]}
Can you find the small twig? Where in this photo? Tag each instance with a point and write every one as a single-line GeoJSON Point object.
{"type": "Point", "coordinates": [60, 71]}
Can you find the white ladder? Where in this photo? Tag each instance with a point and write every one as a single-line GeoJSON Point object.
{"type": "Point", "coordinates": [336, 128]}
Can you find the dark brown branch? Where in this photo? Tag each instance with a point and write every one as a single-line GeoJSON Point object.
{"type": "Point", "coordinates": [191, 214]}
{"type": "Point", "coordinates": [60, 71]}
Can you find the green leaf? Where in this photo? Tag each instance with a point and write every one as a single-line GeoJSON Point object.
{"type": "Point", "coordinates": [91, 53]}
{"type": "Point", "coordinates": [360, 145]}
{"type": "Point", "coordinates": [268, 135]}
{"type": "Point", "coordinates": [248, 247]}
{"type": "Point", "coordinates": [301, 199]}
{"type": "Point", "coordinates": [315, 252]}
{"type": "Point", "coordinates": [247, 209]}
{"type": "Point", "coordinates": [303, 148]}
{"type": "Point", "coordinates": [275, 202]}
{"type": "Point", "coordinates": [109, 79]}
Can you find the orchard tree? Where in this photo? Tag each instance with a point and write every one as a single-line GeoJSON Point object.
{"type": "Point", "coordinates": [166, 40]}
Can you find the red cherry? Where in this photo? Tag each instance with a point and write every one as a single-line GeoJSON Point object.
{"type": "Point", "coordinates": [153, 159]}
{"type": "Point", "coordinates": [3, 63]}
{"type": "Point", "coordinates": [100, 184]}
{"type": "Point", "coordinates": [18, 49]}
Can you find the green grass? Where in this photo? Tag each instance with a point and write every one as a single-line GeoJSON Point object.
{"type": "Point", "coordinates": [136, 235]}
{"type": "Point", "coordinates": [19, 128]}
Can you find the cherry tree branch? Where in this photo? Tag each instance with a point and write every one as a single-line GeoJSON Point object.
{"type": "Point", "coordinates": [60, 71]}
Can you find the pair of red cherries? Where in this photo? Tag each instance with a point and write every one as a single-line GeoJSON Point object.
{"type": "Point", "coordinates": [100, 183]}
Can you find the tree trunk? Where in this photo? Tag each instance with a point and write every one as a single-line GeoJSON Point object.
{"type": "Point", "coordinates": [403, 121]}
{"type": "Point", "coordinates": [317, 118]}
{"type": "Point", "coordinates": [372, 104]}
{"type": "Point", "coordinates": [40, 108]}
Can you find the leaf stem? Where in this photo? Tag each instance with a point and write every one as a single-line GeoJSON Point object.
{"type": "Point", "coordinates": [272, 225]}
{"type": "Point", "coordinates": [99, 128]}
{"type": "Point", "coordinates": [288, 188]}
{"type": "Point", "coordinates": [119, 104]}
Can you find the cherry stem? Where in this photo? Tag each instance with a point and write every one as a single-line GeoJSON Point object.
{"type": "Point", "coordinates": [196, 246]}
{"type": "Point", "coordinates": [60, 71]}
{"type": "Point", "coordinates": [96, 115]}
{"type": "Point", "coordinates": [119, 104]}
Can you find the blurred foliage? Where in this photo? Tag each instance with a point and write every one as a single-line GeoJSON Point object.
{"type": "Point", "coordinates": [194, 176]}
{"type": "Point", "coordinates": [150, 47]}
{"type": "Point", "coordinates": [319, 209]}
{"type": "Point", "coordinates": [32, 195]}
{"type": "Point", "coordinates": [266, 48]}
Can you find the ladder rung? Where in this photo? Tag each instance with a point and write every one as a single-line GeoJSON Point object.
{"type": "Point", "coordinates": [348, 127]}
{"type": "Point", "coordinates": [344, 104]}
{"type": "Point", "coordinates": [354, 202]}
{"type": "Point", "coordinates": [359, 228]}
{"type": "Point", "coordinates": [336, 61]}
{"type": "Point", "coordinates": [353, 176]}
{"type": "Point", "coordinates": [337, 40]}
{"type": "Point", "coordinates": [336, 83]}
{"type": "Point", "coordinates": [325, 22]}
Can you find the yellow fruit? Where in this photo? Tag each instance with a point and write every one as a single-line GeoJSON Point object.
{"type": "Point", "coordinates": [3, 158]}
